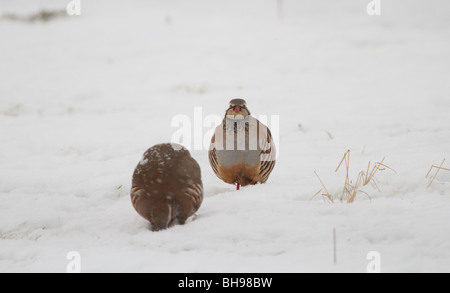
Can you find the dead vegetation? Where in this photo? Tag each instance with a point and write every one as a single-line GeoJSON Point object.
{"type": "Point", "coordinates": [40, 16]}
{"type": "Point", "coordinates": [439, 168]}
{"type": "Point", "coordinates": [353, 187]}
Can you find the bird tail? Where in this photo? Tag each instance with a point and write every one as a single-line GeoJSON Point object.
{"type": "Point", "coordinates": [161, 214]}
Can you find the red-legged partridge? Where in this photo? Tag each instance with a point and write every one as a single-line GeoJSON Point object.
{"type": "Point", "coordinates": [242, 150]}
{"type": "Point", "coordinates": [166, 187]}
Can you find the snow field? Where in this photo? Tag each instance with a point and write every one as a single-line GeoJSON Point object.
{"type": "Point", "coordinates": [82, 98]}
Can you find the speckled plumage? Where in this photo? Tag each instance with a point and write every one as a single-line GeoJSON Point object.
{"type": "Point", "coordinates": [166, 186]}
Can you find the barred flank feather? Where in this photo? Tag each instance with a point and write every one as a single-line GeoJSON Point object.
{"type": "Point", "coordinates": [265, 170]}
{"type": "Point", "coordinates": [213, 161]}
{"type": "Point", "coordinates": [195, 193]}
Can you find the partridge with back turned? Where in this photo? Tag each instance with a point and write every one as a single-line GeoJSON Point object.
{"type": "Point", "coordinates": [167, 188]}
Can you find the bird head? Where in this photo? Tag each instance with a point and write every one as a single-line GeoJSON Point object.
{"type": "Point", "coordinates": [238, 107]}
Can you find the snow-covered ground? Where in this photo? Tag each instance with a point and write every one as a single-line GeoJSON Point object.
{"type": "Point", "coordinates": [82, 98]}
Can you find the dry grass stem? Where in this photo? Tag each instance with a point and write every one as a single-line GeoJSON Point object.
{"type": "Point", "coordinates": [330, 136]}
{"type": "Point", "coordinates": [437, 171]}
{"type": "Point", "coordinates": [316, 194]}
{"type": "Point", "coordinates": [326, 194]}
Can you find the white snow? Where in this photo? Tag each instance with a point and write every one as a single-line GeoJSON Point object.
{"type": "Point", "coordinates": [83, 97]}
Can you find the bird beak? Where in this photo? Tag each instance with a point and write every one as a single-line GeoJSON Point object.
{"type": "Point", "coordinates": [237, 108]}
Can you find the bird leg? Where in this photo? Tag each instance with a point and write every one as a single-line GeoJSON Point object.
{"type": "Point", "coordinates": [237, 186]}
